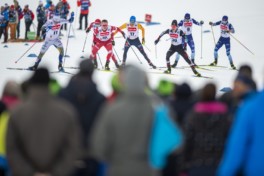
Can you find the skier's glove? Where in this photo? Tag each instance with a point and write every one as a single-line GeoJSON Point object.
{"type": "Point", "coordinates": [201, 22]}
{"type": "Point", "coordinates": [143, 41]}
{"type": "Point", "coordinates": [113, 42]}
{"type": "Point", "coordinates": [156, 41]}
{"type": "Point", "coordinates": [210, 23]}
{"type": "Point", "coordinates": [87, 30]}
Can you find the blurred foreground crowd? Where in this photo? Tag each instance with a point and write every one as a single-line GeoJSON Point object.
{"type": "Point", "coordinates": [46, 130]}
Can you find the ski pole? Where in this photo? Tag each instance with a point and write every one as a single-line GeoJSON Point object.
{"type": "Point", "coordinates": [213, 34]}
{"type": "Point", "coordinates": [25, 52]}
{"type": "Point", "coordinates": [85, 42]}
{"type": "Point", "coordinates": [242, 44]}
{"type": "Point", "coordinates": [201, 41]}
{"type": "Point", "coordinates": [67, 45]}
{"type": "Point", "coordinates": [100, 60]}
{"type": "Point", "coordinates": [116, 54]}
{"type": "Point", "coordinates": [134, 52]}
{"type": "Point", "coordinates": [34, 26]}
{"type": "Point", "coordinates": [146, 47]}
{"type": "Point", "coordinates": [156, 52]}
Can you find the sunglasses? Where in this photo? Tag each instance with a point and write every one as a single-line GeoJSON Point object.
{"type": "Point", "coordinates": [104, 25]}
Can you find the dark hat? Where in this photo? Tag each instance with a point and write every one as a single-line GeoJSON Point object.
{"type": "Point", "coordinates": [174, 22]}
{"type": "Point", "coordinates": [40, 77]}
{"type": "Point", "coordinates": [245, 80]}
{"type": "Point", "coordinates": [86, 67]}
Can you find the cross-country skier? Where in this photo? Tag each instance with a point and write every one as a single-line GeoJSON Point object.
{"type": "Point", "coordinates": [104, 34]}
{"type": "Point", "coordinates": [186, 27]}
{"type": "Point", "coordinates": [93, 26]}
{"type": "Point", "coordinates": [177, 45]}
{"type": "Point", "coordinates": [53, 27]}
{"type": "Point", "coordinates": [133, 39]}
{"type": "Point", "coordinates": [224, 39]}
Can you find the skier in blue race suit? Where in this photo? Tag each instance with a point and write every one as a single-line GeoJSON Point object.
{"type": "Point", "coordinates": [186, 27]}
{"type": "Point", "coordinates": [226, 28]}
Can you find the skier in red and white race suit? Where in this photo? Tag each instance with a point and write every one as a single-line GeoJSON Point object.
{"type": "Point", "coordinates": [104, 37]}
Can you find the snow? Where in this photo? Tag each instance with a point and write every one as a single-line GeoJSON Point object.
{"type": "Point", "coordinates": [246, 16]}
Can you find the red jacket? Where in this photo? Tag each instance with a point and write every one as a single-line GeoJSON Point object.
{"type": "Point", "coordinates": [85, 4]}
{"type": "Point", "coordinates": [27, 14]}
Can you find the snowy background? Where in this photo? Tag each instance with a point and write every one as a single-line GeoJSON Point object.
{"type": "Point", "coordinates": [246, 16]}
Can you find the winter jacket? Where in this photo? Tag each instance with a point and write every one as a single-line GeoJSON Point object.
{"type": "Point", "coordinates": [3, 21]}
{"type": "Point", "coordinates": [28, 15]}
{"type": "Point", "coordinates": [43, 135]}
{"type": "Point", "coordinates": [64, 10]}
{"type": "Point", "coordinates": [85, 4]}
{"type": "Point", "coordinates": [82, 93]}
{"type": "Point", "coordinates": [206, 129]}
{"type": "Point", "coordinates": [122, 136]}
{"type": "Point", "coordinates": [13, 16]}
{"type": "Point", "coordinates": [41, 16]}
{"type": "Point", "coordinates": [20, 12]}
{"type": "Point", "coordinates": [244, 150]}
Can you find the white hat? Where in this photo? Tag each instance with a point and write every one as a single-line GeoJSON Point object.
{"type": "Point", "coordinates": [40, 2]}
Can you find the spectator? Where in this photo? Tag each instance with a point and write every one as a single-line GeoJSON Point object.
{"type": "Point", "coordinates": [29, 18]}
{"type": "Point", "coordinates": [13, 21]}
{"type": "Point", "coordinates": [244, 86]}
{"type": "Point", "coordinates": [63, 8]}
{"type": "Point", "coordinates": [122, 133]}
{"type": "Point", "coordinates": [20, 16]}
{"type": "Point", "coordinates": [85, 4]}
{"type": "Point", "coordinates": [165, 89]}
{"type": "Point", "coordinates": [41, 16]}
{"type": "Point", "coordinates": [244, 150]}
{"type": "Point", "coordinates": [50, 12]}
{"type": "Point", "coordinates": [82, 93]}
{"type": "Point", "coordinates": [43, 136]}
{"type": "Point", "coordinates": [182, 102]}
{"type": "Point", "coordinates": [116, 86]}
{"type": "Point", "coordinates": [3, 24]}
{"type": "Point", "coordinates": [10, 98]}
{"type": "Point", "coordinates": [206, 129]}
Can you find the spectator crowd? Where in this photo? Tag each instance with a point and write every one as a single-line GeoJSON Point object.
{"type": "Point", "coordinates": [49, 130]}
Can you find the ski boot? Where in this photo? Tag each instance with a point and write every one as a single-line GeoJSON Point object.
{"type": "Point", "coordinates": [232, 66]}
{"type": "Point", "coordinates": [196, 72]}
{"type": "Point", "coordinates": [152, 65]}
{"type": "Point", "coordinates": [60, 68]}
{"type": "Point", "coordinates": [214, 63]}
{"type": "Point", "coordinates": [107, 65]}
{"type": "Point", "coordinates": [117, 65]}
{"type": "Point", "coordinates": [175, 64]}
{"type": "Point", "coordinates": [167, 71]}
{"type": "Point", "coordinates": [123, 65]}
{"type": "Point", "coordinates": [34, 67]}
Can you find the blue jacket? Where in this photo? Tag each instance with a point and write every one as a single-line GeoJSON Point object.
{"type": "Point", "coordinates": [244, 150]}
{"type": "Point", "coordinates": [4, 19]}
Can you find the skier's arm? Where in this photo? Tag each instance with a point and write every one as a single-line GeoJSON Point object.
{"type": "Point", "coordinates": [123, 26]}
{"type": "Point", "coordinates": [180, 23]}
{"type": "Point", "coordinates": [118, 30]}
{"type": "Point", "coordinates": [163, 33]}
{"type": "Point", "coordinates": [89, 28]}
{"type": "Point", "coordinates": [231, 29]}
{"type": "Point", "coordinates": [196, 22]}
{"type": "Point", "coordinates": [215, 24]}
{"type": "Point", "coordinates": [142, 29]}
